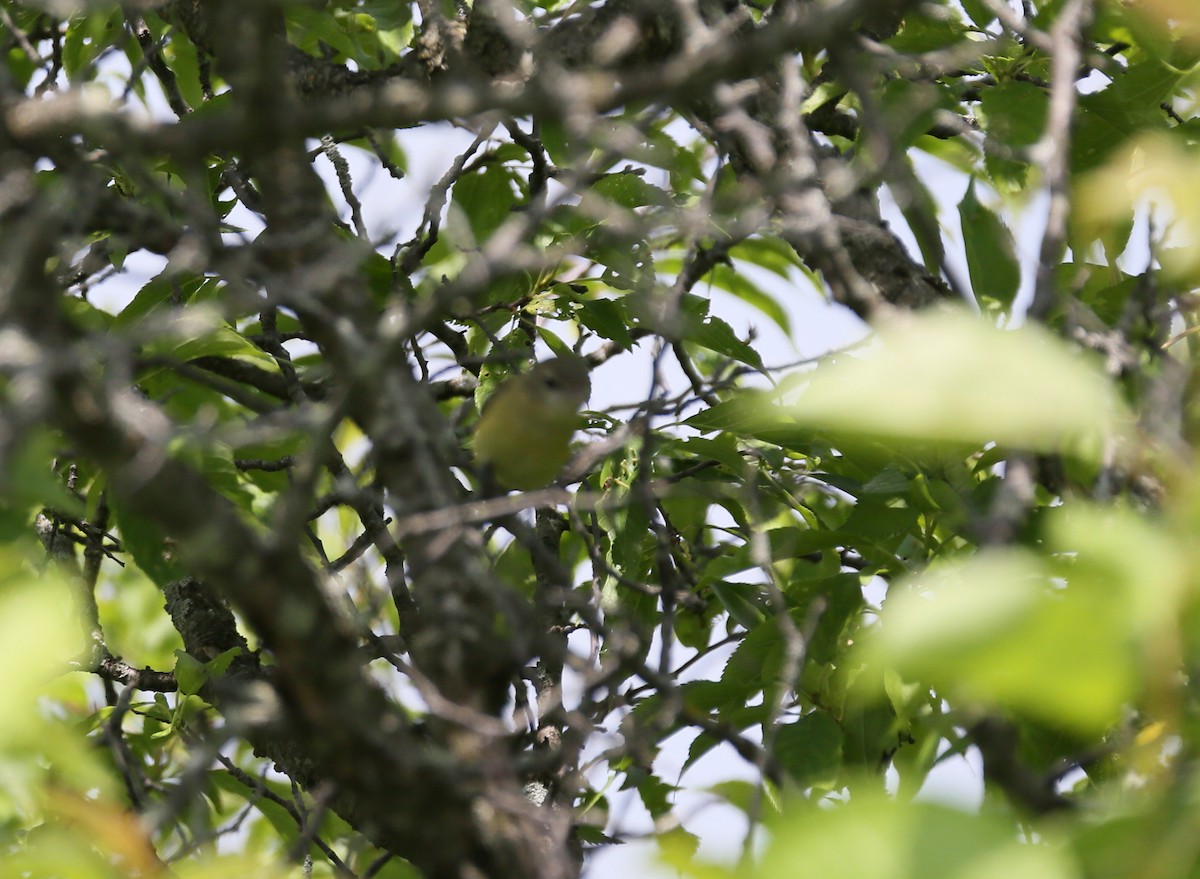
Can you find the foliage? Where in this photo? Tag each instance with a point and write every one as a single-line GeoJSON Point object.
{"type": "Point", "coordinates": [233, 390]}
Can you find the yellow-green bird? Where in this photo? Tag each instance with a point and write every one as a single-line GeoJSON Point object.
{"type": "Point", "coordinates": [523, 439]}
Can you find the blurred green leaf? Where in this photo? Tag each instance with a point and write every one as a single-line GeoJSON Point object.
{"type": "Point", "coordinates": [873, 837]}
{"type": "Point", "coordinates": [32, 610]}
{"type": "Point", "coordinates": [1058, 641]}
{"type": "Point", "coordinates": [953, 378]}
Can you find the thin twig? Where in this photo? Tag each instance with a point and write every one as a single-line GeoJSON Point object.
{"type": "Point", "coordinates": [1055, 145]}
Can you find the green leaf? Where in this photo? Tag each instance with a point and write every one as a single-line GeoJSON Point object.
{"type": "Point", "coordinates": [810, 750]}
{"type": "Point", "coordinates": [920, 211]}
{"type": "Point", "coordinates": [722, 448]}
{"type": "Point", "coordinates": [181, 55]}
{"type": "Point", "coordinates": [678, 846]}
{"type": "Point", "coordinates": [843, 603]}
{"type": "Point", "coordinates": [655, 794]}
{"type": "Point", "coordinates": [979, 12]}
{"type": "Point", "coordinates": [32, 643]}
{"type": "Point", "coordinates": [219, 664]}
{"type": "Point", "coordinates": [953, 378]}
{"type": "Point", "coordinates": [660, 150]}
{"type": "Point", "coordinates": [769, 253]}
{"type": "Point", "coordinates": [740, 285]}
{"type": "Point", "coordinates": [1066, 642]}
{"type": "Point", "coordinates": [924, 33]}
{"type": "Point", "coordinates": [487, 197]}
{"type": "Point", "coordinates": [910, 107]}
{"type": "Point", "coordinates": [874, 837]}
{"type": "Point", "coordinates": [871, 729]}
{"type": "Point", "coordinates": [147, 542]}
{"type": "Point", "coordinates": [715, 334]}
{"type": "Point", "coordinates": [991, 251]}
{"type": "Point", "coordinates": [744, 601]}
{"type": "Point", "coordinates": [755, 664]}
{"type": "Point", "coordinates": [33, 482]}
{"type": "Point", "coordinates": [86, 37]}
{"type": "Point", "coordinates": [190, 673]}
{"type": "Point", "coordinates": [630, 190]}
{"type": "Point", "coordinates": [272, 808]}
{"type": "Point", "coordinates": [1130, 556]}
{"type": "Point", "coordinates": [160, 296]}
{"type": "Point", "coordinates": [755, 414]}
{"type": "Point", "coordinates": [626, 263]}
{"type": "Point", "coordinates": [514, 567]}
{"type": "Point", "coordinates": [607, 318]}
{"type": "Point", "coordinates": [915, 758]}
{"type": "Point", "coordinates": [1152, 170]}
{"type": "Point", "coordinates": [1015, 112]}
{"type": "Point", "coordinates": [311, 29]}
{"type": "Point", "coordinates": [1106, 119]}
{"type": "Point", "coordinates": [215, 463]}
{"type": "Point", "coordinates": [630, 554]}
{"type": "Point", "coordinates": [694, 626]}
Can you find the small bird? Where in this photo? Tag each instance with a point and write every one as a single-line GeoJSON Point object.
{"type": "Point", "coordinates": [523, 438]}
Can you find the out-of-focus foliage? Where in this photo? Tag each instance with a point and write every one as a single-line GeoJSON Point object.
{"type": "Point", "coordinates": [262, 264]}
